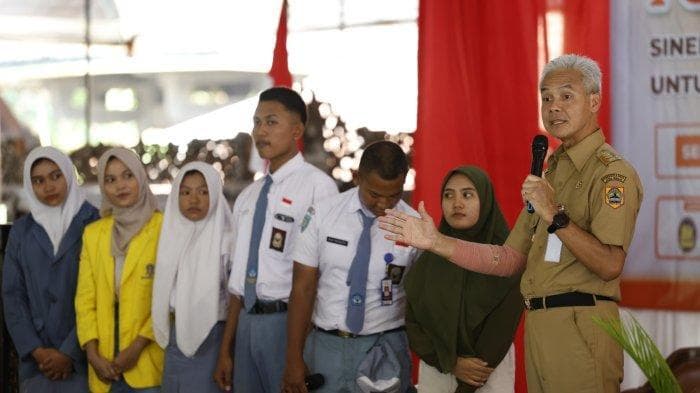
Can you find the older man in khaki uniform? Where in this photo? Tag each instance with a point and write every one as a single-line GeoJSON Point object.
{"type": "Point", "coordinates": [600, 193]}
{"type": "Point", "coordinates": [573, 247]}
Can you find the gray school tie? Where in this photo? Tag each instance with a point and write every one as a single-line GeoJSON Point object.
{"type": "Point", "coordinates": [250, 296]}
{"type": "Point", "coordinates": [357, 277]}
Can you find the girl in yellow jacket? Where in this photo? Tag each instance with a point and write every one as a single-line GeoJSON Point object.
{"type": "Point", "coordinates": [117, 264]}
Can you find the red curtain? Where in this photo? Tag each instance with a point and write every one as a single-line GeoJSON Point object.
{"type": "Point", "coordinates": [587, 32]}
{"type": "Point", "coordinates": [477, 100]}
{"type": "Point", "coordinates": [477, 94]}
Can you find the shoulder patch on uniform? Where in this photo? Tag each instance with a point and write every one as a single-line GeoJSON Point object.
{"type": "Point", "coordinates": [613, 177]}
{"type": "Point", "coordinates": [607, 157]}
{"type": "Point", "coordinates": [614, 194]}
{"type": "Point", "coordinates": [307, 218]}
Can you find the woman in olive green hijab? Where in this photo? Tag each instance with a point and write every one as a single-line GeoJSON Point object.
{"type": "Point", "coordinates": [461, 323]}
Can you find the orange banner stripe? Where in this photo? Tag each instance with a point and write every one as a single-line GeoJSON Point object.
{"type": "Point", "coordinates": [658, 294]}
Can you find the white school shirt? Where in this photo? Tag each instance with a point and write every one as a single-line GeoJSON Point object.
{"type": "Point", "coordinates": [328, 242]}
{"type": "Point", "coordinates": [296, 185]}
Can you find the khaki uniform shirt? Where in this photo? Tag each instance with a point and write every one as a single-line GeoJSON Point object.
{"type": "Point", "coordinates": [602, 194]}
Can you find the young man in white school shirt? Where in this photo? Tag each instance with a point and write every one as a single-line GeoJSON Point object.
{"type": "Point", "coordinates": [261, 272]}
{"type": "Point", "coordinates": [349, 320]}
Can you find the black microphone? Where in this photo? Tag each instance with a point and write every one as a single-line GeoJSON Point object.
{"type": "Point", "coordinates": [539, 151]}
{"type": "Point", "coordinates": [314, 381]}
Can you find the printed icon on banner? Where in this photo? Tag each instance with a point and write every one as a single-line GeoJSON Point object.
{"type": "Point", "coordinates": [687, 235]}
{"type": "Point", "coordinates": [664, 6]}
{"type": "Point", "coordinates": [658, 6]}
{"type": "Point", "coordinates": [676, 231]}
{"type": "Point", "coordinates": [688, 151]}
{"type": "Point", "coordinates": [677, 151]}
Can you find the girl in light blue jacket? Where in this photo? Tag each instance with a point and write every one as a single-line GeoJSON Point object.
{"type": "Point", "coordinates": [40, 271]}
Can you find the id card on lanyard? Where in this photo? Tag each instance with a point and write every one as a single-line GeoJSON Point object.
{"type": "Point", "coordinates": [387, 284]}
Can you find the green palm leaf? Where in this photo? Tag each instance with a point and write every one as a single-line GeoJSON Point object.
{"type": "Point", "coordinates": [637, 343]}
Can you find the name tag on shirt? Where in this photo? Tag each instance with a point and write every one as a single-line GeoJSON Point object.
{"type": "Point", "coordinates": [335, 240]}
{"type": "Point", "coordinates": [553, 253]}
{"type": "Point", "coordinates": [284, 217]}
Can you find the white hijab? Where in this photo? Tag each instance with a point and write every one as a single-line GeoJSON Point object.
{"type": "Point", "coordinates": [54, 219]}
{"type": "Point", "coordinates": [190, 258]}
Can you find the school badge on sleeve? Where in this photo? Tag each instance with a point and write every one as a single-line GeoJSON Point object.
{"type": "Point", "coordinates": [307, 218]}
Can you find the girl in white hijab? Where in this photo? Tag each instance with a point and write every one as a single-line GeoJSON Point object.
{"type": "Point", "coordinates": [189, 291]}
{"type": "Point", "coordinates": [54, 219]}
{"type": "Point", "coordinates": [40, 273]}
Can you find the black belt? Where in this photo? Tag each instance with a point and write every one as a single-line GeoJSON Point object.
{"type": "Point", "coordinates": [344, 334]}
{"type": "Point", "coordinates": [272, 307]}
{"type": "Point", "coordinates": [568, 299]}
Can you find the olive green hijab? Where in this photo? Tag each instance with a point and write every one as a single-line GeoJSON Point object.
{"type": "Point", "coordinates": [455, 312]}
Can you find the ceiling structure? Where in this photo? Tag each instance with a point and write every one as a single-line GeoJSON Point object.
{"type": "Point", "coordinates": [359, 55]}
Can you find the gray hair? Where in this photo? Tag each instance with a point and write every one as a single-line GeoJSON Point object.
{"type": "Point", "coordinates": [585, 65]}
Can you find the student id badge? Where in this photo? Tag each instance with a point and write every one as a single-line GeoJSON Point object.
{"type": "Point", "coordinates": [387, 292]}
